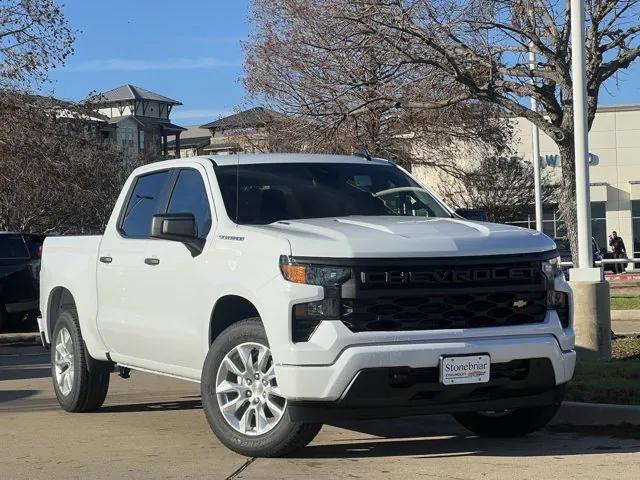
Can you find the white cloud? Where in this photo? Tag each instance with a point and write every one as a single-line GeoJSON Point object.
{"type": "Point", "coordinates": [130, 65]}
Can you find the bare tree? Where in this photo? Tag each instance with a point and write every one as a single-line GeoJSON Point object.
{"type": "Point", "coordinates": [56, 175]}
{"type": "Point", "coordinates": [482, 47]}
{"type": "Point", "coordinates": [500, 186]}
{"type": "Point", "coordinates": [341, 89]}
{"type": "Point", "coordinates": [34, 37]}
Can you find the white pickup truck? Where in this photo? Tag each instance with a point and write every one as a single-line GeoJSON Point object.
{"type": "Point", "coordinates": [301, 289]}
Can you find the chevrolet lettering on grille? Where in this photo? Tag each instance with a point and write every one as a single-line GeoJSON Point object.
{"type": "Point", "coordinates": [445, 277]}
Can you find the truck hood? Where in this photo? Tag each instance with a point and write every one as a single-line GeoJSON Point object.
{"type": "Point", "coordinates": [393, 236]}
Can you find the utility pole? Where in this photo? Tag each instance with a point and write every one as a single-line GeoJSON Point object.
{"type": "Point", "coordinates": [578, 72]}
{"type": "Point", "coordinates": [592, 310]}
{"type": "Point", "coordinates": [535, 154]}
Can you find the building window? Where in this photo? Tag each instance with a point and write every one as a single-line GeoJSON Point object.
{"type": "Point", "coordinates": [552, 225]}
{"type": "Point", "coordinates": [599, 223]}
{"type": "Point", "coordinates": [141, 139]}
{"type": "Point", "coordinates": [126, 137]}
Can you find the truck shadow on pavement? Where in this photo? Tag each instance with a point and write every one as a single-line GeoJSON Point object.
{"type": "Point", "coordinates": [13, 395]}
{"type": "Point", "coordinates": [425, 437]}
{"type": "Point", "coordinates": [152, 406]}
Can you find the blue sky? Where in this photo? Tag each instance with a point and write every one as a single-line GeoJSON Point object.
{"type": "Point", "coordinates": [188, 50]}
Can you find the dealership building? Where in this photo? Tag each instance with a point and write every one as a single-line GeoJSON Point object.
{"type": "Point", "coordinates": [614, 146]}
{"type": "Point", "coordinates": [614, 173]}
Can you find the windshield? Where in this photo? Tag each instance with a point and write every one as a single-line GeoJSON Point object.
{"type": "Point", "coordinates": [289, 191]}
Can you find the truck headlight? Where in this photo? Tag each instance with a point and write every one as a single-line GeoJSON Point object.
{"type": "Point", "coordinates": [551, 269]}
{"type": "Point", "coordinates": [559, 301]}
{"type": "Point", "coordinates": [312, 274]}
{"type": "Point", "coordinates": [306, 317]}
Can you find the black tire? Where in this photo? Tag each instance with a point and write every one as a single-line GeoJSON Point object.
{"type": "Point", "coordinates": [284, 438]}
{"type": "Point", "coordinates": [91, 377]}
{"type": "Point", "coordinates": [515, 423]}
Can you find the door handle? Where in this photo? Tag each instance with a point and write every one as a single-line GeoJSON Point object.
{"type": "Point", "coordinates": [152, 261]}
{"type": "Point", "coordinates": [106, 259]}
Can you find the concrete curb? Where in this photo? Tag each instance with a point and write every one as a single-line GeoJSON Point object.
{"type": "Point", "coordinates": [596, 414]}
{"type": "Point", "coordinates": [625, 315]}
{"type": "Point", "coordinates": [6, 338]}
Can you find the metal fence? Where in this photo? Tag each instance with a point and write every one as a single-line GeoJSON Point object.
{"type": "Point", "coordinates": [607, 261]}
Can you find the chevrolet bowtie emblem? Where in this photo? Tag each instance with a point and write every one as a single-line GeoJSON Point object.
{"type": "Point", "coordinates": [520, 303]}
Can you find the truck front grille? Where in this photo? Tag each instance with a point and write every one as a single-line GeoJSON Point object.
{"type": "Point", "coordinates": [438, 312]}
{"type": "Point", "coordinates": [438, 296]}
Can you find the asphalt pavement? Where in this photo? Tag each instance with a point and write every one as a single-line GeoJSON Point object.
{"type": "Point", "coordinates": [153, 427]}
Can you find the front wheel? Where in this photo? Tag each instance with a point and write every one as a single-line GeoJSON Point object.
{"type": "Point", "coordinates": [241, 398]}
{"type": "Point", "coordinates": [509, 423]}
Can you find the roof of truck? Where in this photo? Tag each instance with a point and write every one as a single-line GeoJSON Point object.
{"type": "Point", "coordinates": [253, 158]}
{"type": "Point", "coordinates": [259, 158]}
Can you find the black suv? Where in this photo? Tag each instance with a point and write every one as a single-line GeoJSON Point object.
{"type": "Point", "coordinates": [19, 276]}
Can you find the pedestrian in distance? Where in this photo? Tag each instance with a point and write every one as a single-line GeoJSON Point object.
{"type": "Point", "coordinates": [619, 250]}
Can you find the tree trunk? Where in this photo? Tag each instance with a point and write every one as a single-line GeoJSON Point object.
{"type": "Point", "coordinates": [567, 200]}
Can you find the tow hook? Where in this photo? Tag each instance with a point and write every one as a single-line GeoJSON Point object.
{"type": "Point", "coordinates": [124, 372]}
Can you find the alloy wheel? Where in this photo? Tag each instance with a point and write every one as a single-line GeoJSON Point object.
{"type": "Point", "coordinates": [63, 362]}
{"type": "Point", "coordinates": [247, 391]}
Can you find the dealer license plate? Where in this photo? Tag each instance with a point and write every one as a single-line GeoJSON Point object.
{"type": "Point", "coordinates": [462, 369]}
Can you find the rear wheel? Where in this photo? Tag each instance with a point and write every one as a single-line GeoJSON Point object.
{"type": "Point", "coordinates": [508, 423]}
{"type": "Point", "coordinates": [79, 381]}
{"type": "Point", "coordinates": [241, 398]}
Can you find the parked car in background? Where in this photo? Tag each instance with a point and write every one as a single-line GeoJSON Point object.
{"type": "Point", "coordinates": [19, 277]}
{"type": "Point", "coordinates": [473, 214]}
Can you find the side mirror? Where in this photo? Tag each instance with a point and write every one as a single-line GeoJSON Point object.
{"type": "Point", "coordinates": [473, 214]}
{"type": "Point", "coordinates": [177, 227]}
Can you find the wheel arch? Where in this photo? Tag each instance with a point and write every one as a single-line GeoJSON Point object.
{"type": "Point", "coordinates": [59, 299]}
{"type": "Point", "coordinates": [230, 309]}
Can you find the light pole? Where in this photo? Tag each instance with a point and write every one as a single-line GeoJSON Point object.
{"type": "Point", "coordinates": [535, 141]}
{"type": "Point", "coordinates": [592, 310]}
{"type": "Point", "coordinates": [578, 72]}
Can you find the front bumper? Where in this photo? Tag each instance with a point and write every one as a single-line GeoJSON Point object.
{"type": "Point", "coordinates": [333, 382]}
{"type": "Point", "coordinates": [391, 393]}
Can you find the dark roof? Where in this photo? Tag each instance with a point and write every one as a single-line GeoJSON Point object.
{"type": "Point", "coordinates": [172, 127]}
{"type": "Point", "coordinates": [149, 122]}
{"type": "Point", "coordinates": [195, 132]}
{"type": "Point", "coordinates": [214, 147]}
{"type": "Point", "coordinates": [191, 142]}
{"type": "Point", "coordinates": [254, 117]}
{"type": "Point", "coordinates": [130, 92]}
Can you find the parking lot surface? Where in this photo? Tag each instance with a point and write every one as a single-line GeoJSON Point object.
{"type": "Point", "coordinates": [153, 427]}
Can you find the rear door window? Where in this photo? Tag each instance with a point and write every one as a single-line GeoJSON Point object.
{"type": "Point", "coordinates": [12, 247]}
{"type": "Point", "coordinates": [190, 196]}
{"type": "Point", "coordinates": [143, 203]}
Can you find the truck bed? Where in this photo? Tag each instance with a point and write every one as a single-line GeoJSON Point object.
{"type": "Point", "coordinates": [70, 262]}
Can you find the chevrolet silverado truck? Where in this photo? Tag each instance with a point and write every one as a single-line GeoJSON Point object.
{"type": "Point", "coordinates": [302, 289]}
